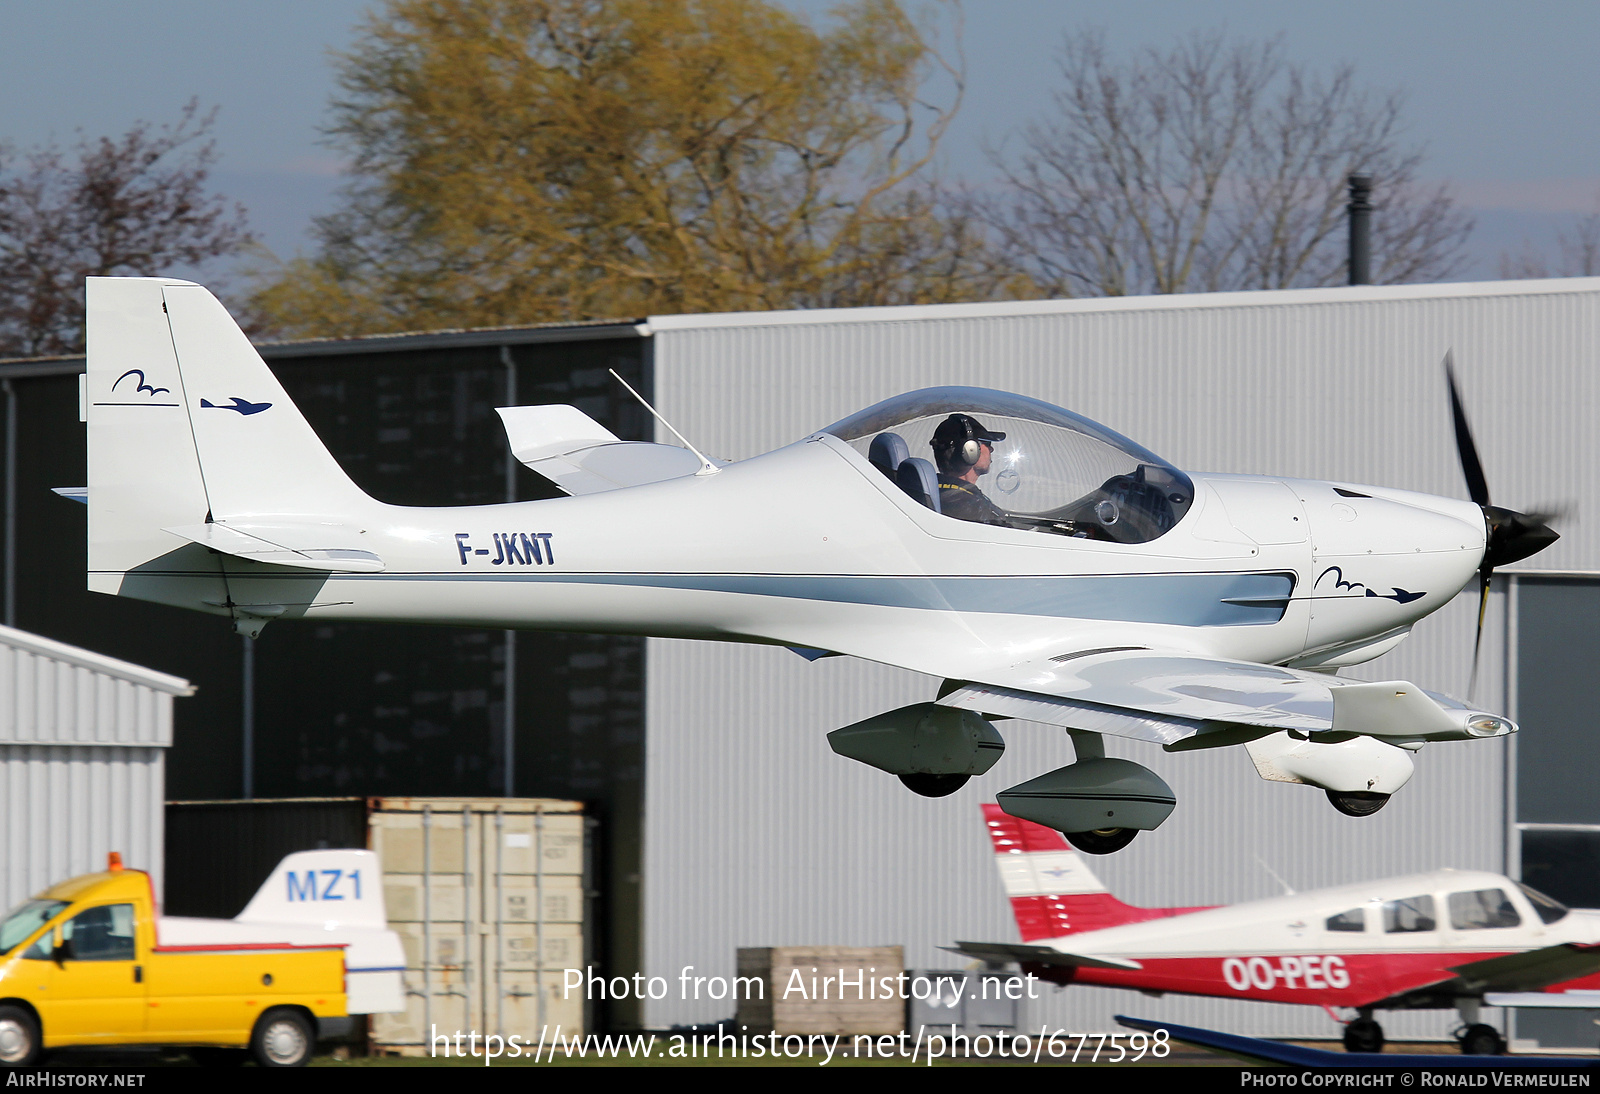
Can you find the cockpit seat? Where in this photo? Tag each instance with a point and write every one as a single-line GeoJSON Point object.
{"type": "Point", "coordinates": [919, 480]}
{"type": "Point", "coordinates": [888, 452]}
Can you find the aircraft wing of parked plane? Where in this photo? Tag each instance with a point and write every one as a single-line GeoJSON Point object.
{"type": "Point", "coordinates": [1446, 939]}
{"type": "Point", "coordinates": [1100, 588]}
{"type": "Point", "coordinates": [1259, 1051]}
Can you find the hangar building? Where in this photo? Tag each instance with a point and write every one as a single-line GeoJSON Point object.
{"type": "Point", "coordinates": [755, 834]}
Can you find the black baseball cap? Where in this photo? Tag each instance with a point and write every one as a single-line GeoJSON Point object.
{"type": "Point", "coordinates": [958, 428]}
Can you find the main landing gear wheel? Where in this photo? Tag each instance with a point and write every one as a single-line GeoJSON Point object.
{"type": "Point", "coordinates": [1363, 1035]}
{"type": "Point", "coordinates": [1357, 803]}
{"type": "Point", "coordinates": [1480, 1039]}
{"type": "Point", "coordinates": [1101, 841]}
{"type": "Point", "coordinates": [934, 786]}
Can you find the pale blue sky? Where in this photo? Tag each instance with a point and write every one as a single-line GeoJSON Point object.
{"type": "Point", "coordinates": [1503, 95]}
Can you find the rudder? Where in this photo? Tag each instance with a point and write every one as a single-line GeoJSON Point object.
{"type": "Point", "coordinates": [144, 472]}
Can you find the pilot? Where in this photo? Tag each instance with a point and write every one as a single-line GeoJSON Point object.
{"type": "Point", "coordinates": [963, 450]}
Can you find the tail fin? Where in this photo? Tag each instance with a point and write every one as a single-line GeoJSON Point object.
{"type": "Point", "coordinates": [188, 425]}
{"type": "Point", "coordinates": [1052, 890]}
{"type": "Point", "coordinates": [321, 889]}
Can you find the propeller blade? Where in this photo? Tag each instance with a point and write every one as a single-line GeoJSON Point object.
{"type": "Point", "coordinates": [1511, 536]}
{"type": "Point", "coordinates": [1471, 466]}
{"type": "Point", "coordinates": [1477, 643]}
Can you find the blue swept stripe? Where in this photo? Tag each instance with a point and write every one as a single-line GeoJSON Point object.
{"type": "Point", "coordinates": [1191, 600]}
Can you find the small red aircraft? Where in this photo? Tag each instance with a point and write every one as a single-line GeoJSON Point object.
{"type": "Point", "coordinates": [1448, 939]}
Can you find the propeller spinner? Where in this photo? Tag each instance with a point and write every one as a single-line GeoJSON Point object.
{"type": "Point", "coordinates": [1512, 536]}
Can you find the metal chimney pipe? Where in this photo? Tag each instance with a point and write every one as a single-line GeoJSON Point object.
{"type": "Point", "coordinates": [1360, 210]}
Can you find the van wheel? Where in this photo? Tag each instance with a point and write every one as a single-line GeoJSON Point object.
{"type": "Point", "coordinates": [20, 1040]}
{"type": "Point", "coordinates": [282, 1038]}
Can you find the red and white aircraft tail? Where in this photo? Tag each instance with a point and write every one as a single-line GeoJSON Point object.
{"type": "Point", "coordinates": [1052, 890]}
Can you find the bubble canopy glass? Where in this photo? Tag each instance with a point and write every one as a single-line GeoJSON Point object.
{"type": "Point", "coordinates": [1055, 471]}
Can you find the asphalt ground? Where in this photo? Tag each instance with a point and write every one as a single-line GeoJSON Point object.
{"type": "Point", "coordinates": [1178, 1056]}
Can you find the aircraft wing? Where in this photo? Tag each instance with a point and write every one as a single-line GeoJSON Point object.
{"type": "Point", "coordinates": [1182, 700]}
{"type": "Point", "coordinates": [1037, 955]}
{"type": "Point", "coordinates": [1532, 970]}
{"type": "Point", "coordinates": [1255, 1050]}
{"type": "Point", "coordinates": [1547, 1000]}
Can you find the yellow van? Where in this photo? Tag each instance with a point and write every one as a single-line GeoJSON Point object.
{"type": "Point", "coordinates": [82, 964]}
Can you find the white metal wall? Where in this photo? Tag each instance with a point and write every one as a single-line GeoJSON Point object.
{"type": "Point", "coordinates": [65, 806]}
{"type": "Point", "coordinates": [756, 834]}
{"type": "Point", "coordinates": [82, 740]}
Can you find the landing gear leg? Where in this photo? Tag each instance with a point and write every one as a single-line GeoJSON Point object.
{"type": "Point", "coordinates": [1100, 841]}
{"type": "Point", "coordinates": [1363, 1034]}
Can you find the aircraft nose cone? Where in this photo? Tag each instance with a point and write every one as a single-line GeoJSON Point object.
{"type": "Point", "coordinates": [1514, 536]}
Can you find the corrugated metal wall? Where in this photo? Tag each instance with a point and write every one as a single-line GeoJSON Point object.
{"type": "Point", "coordinates": [65, 806]}
{"type": "Point", "coordinates": [82, 744]}
{"type": "Point", "coordinates": [757, 835]}
{"type": "Point", "coordinates": [42, 699]}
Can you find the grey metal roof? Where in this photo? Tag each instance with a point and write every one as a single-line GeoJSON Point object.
{"type": "Point", "coordinates": [583, 330]}
{"type": "Point", "coordinates": [55, 694]}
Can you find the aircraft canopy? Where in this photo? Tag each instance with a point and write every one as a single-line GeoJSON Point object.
{"type": "Point", "coordinates": [1054, 470]}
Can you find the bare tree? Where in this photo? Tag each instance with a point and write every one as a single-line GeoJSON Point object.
{"type": "Point", "coordinates": [1212, 166]}
{"type": "Point", "coordinates": [1578, 248]}
{"type": "Point", "coordinates": [138, 204]}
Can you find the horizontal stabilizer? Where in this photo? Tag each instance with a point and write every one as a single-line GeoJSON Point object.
{"type": "Point", "coordinates": [79, 494]}
{"type": "Point", "coordinates": [1038, 955]}
{"type": "Point", "coordinates": [581, 456]}
{"type": "Point", "coordinates": [326, 547]}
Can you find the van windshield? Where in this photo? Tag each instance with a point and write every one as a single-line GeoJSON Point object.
{"type": "Point", "coordinates": [25, 919]}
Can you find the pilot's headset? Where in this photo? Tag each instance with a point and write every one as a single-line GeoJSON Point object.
{"type": "Point", "coordinates": [959, 440]}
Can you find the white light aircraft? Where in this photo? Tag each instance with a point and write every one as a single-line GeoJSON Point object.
{"type": "Point", "coordinates": [1099, 588]}
{"type": "Point", "coordinates": [1448, 939]}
